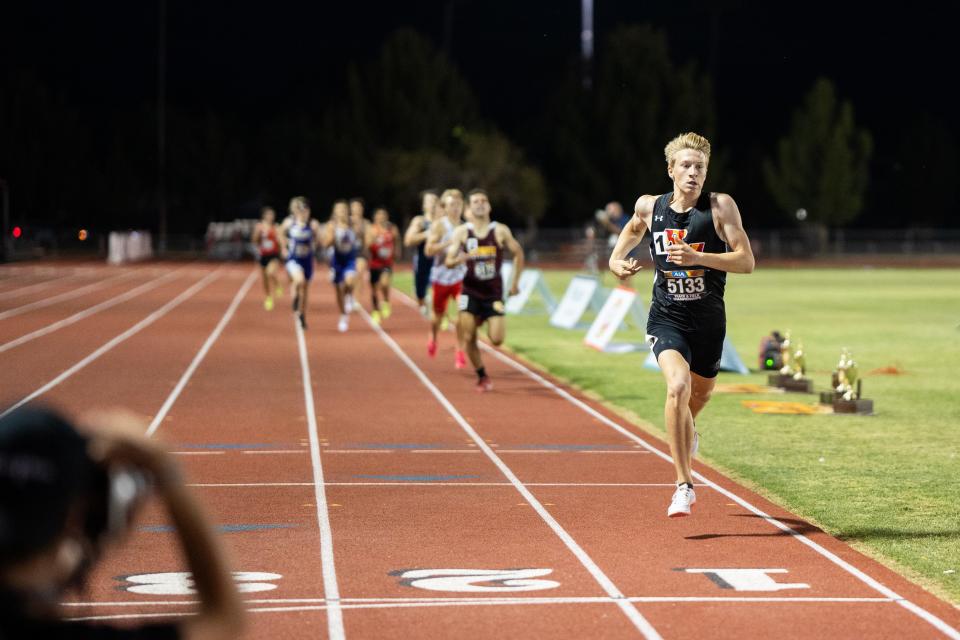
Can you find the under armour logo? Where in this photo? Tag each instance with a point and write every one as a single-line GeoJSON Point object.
{"type": "Point", "coordinates": [658, 218]}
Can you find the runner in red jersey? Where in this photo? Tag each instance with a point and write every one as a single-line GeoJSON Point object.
{"type": "Point", "coordinates": [479, 244]}
{"type": "Point", "coordinates": [382, 242]}
{"type": "Point", "coordinates": [266, 237]}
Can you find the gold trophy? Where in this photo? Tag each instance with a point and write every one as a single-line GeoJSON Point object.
{"type": "Point", "coordinates": [785, 346]}
{"type": "Point", "coordinates": [847, 386]}
{"type": "Point", "coordinates": [792, 373]}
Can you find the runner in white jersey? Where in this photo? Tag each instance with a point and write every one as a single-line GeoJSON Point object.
{"type": "Point", "coordinates": [447, 281]}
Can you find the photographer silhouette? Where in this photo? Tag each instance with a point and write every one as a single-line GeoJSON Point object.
{"type": "Point", "coordinates": [64, 495]}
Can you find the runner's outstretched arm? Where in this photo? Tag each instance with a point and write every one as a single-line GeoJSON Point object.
{"type": "Point", "coordinates": [629, 238]}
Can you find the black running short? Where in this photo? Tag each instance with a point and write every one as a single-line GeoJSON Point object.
{"type": "Point", "coordinates": [481, 308]}
{"type": "Point", "coordinates": [265, 260]}
{"type": "Point", "coordinates": [376, 273]}
{"type": "Point", "coordinates": [702, 349]}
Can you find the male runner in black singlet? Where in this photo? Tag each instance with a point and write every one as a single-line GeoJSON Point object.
{"type": "Point", "coordinates": [696, 238]}
{"type": "Point", "coordinates": [416, 238]}
{"type": "Point", "coordinates": [480, 244]}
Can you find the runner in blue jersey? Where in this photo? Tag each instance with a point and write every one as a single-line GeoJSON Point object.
{"type": "Point", "coordinates": [696, 238]}
{"type": "Point", "coordinates": [342, 239]}
{"type": "Point", "coordinates": [302, 233]}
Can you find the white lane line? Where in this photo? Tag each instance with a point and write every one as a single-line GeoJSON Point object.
{"type": "Point", "coordinates": [21, 291]}
{"type": "Point", "coordinates": [330, 589]}
{"type": "Point", "coordinates": [268, 452]}
{"type": "Point", "coordinates": [643, 452]}
{"type": "Point", "coordinates": [484, 602]}
{"type": "Point", "coordinates": [86, 313]}
{"type": "Point", "coordinates": [939, 624]}
{"type": "Point", "coordinates": [69, 295]}
{"type": "Point", "coordinates": [632, 613]}
{"type": "Point", "coordinates": [419, 484]}
{"type": "Point", "coordinates": [491, 600]}
{"type": "Point", "coordinates": [371, 451]}
{"type": "Point", "coordinates": [197, 453]}
{"type": "Point", "coordinates": [201, 354]}
{"type": "Point", "coordinates": [146, 322]}
{"type": "Point", "coordinates": [251, 484]}
{"type": "Point", "coordinates": [400, 451]}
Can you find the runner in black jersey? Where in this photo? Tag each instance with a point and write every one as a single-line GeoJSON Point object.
{"type": "Point", "coordinates": [696, 238]}
{"type": "Point", "coordinates": [479, 244]}
{"type": "Point", "coordinates": [416, 238]}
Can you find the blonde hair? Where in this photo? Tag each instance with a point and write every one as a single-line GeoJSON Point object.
{"type": "Point", "coordinates": [451, 193]}
{"type": "Point", "coordinates": [299, 200]}
{"type": "Point", "coordinates": [689, 140]}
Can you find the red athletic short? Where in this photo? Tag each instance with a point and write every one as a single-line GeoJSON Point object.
{"type": "Point", "coordinates": [442, 293]}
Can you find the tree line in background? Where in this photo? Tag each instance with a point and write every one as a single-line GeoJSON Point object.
{"type": "Point", "coordinates": [408, 120]}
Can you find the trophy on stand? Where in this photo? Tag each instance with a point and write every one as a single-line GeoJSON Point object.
{"type": "Point", "coordinates": [792, 373]}
{"type": "Point", "coordinates": [847, 387]}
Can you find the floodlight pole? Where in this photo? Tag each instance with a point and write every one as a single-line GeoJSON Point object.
{"type": "Point", "coordinates": [586, 41]}
{"type": "Point", "coordinates": [162, 127]}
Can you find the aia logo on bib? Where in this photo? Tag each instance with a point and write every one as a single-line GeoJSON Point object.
{"type": "Point", "coordinates": [472, 244]}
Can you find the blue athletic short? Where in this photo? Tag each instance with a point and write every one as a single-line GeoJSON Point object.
{"type": "Point", "coordinates": [301, 264]}
{"type": "Point", "coordinates": [342, 267]}
{"type": "Point", "coordinates": [422, 266]}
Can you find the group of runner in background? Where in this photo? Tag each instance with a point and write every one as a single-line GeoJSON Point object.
{"type": "Point", "coordinates": [457, 256]}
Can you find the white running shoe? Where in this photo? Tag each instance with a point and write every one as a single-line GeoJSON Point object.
{"type": "Point", "coordinates": [348, 304]}
{"type": "Point", "coordinates": [680, 504]}
{"type": "Point", "coordinates": [344, 323]}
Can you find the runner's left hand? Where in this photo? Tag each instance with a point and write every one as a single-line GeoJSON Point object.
{"type": "Point", "coordinates": [682, 254]}
{"type": "Point", "coordinates": [514, 290]}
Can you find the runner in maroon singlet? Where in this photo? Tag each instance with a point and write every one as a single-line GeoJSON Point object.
{"type": "Point", "coordinates": [480, 244]}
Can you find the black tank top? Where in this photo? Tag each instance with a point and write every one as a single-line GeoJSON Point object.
{"type": "Point", "coordinates": [688, 297]}
{"type": "Point", "coordinates": [484, 257]}
{"type": "Point", "coordinates": [422, 247]}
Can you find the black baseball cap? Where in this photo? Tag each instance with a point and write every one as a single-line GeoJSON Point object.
{"type": "Point", "coordinates": [44, 467]}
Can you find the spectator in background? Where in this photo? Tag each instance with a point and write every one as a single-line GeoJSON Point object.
{"type": "Point", "coordinates": [613, 219]}
{"type": "Point", "coordinates": [64, 495]}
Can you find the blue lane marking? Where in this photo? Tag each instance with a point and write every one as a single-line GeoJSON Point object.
{"type": "Point", "coordinates": [392, 445]}
{"type": "Point", "coordinates": [225, 528]}
{"type": "Point", "coordinates": [232, 445]}
{"type": "Point", "coordinates": [417, 478]}
{"type": "Point", "coordinates": [571, 447]}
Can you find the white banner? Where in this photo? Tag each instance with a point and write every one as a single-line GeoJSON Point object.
{"type": "Point", "coordinates": [528, 282]}
{"type": "Point", "coordinates": [610, 318]}
{"type": "Point", "coordinates": [575, 301]}
{"type": "Point", "coordinates": [129, 246]}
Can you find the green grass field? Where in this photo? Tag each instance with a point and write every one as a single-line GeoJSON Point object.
{"type": "Point", "coordinates": [890, 483]}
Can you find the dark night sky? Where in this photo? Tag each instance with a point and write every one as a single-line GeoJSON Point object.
{"type": "Point", "coordinates": [247, 59]}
